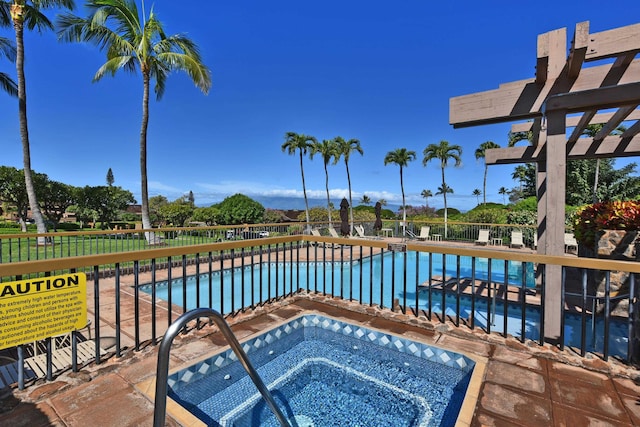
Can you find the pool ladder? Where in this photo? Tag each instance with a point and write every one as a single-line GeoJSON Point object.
{"type": "Point", "coordinates": [162, 373]}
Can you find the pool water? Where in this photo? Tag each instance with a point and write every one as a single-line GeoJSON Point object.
{"type": "Point", "coordinates": [320, 370]}
{"type": "Point", "coordinates": [270, 280]}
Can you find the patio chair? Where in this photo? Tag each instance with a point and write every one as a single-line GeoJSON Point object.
{"type": "Point", "coordinates": [570, 242]}
{"type": "Point", "coordinates": [424, 233]}
{"type": "Point", "coordinates": [516, 239]}
{"type": "Point", "coordinates": [483, 237]}
{"type": "Point", "coordinates": [333, 232]}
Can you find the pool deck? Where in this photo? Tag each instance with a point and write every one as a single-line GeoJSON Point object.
{"type": "Point", "coordinates": [523, 385]}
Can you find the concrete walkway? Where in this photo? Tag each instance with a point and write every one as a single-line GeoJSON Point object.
{"type": "Point", "coordinates": [524, 385]}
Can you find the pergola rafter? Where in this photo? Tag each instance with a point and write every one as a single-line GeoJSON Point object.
{"type": "Point", "coordinates": [564, 94]}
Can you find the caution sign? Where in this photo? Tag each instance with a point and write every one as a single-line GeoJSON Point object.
{"type": "Point", "coordinates": [35, 309]}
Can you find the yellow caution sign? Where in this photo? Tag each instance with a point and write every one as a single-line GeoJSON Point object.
{"type": "Point", "coordinates": [34, 309]}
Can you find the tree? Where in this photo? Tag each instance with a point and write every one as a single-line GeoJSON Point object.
{"type": "Point", "coordinates": [110, 178]}
{"type": "Point", "coordinates": [329, 150]}
{"type": "Point", "coordinates": [29, 13]}
{"type": "Point", "coordinates": [520, 174]}
{"type": "Point", "coordinates": [115, 27]}
{"type": "Point", "coordinates": [155, 204]}
{"type": "Point", "coordinates": [240, 209]}
{"type": "Point", "coordinates": [477, 192]}
{"type": "Point", "coordinates": [443, 152]}
{"type": "Point", "coordinates": [426, 194]}
{"type": "Point", "coordinates": [102, 204]}
{"type": "Point", "coordinates": [8, 50]}
{"type": "Point", "coordinates": [444, 189]}
{"type": "Point", "coordinates": [383, 202]}
{"type": "Point", "coordinates": [176, 212]}
{"type": "Point", "coordinates": [591, 131]}
{"type": "Point", "coordinates": [504, 191]}
{"type": "Point", "coordinates": [400, 157]}
{"type": "Point", "coordinates": [55, 197]}
{"type": "Point", "coordinates": [301, 143]}
{"type": "Point", "coordinates": [480, 154]}
{"type": "Point", "coordinates": [345, 148]}
{"type": "Point", "coordinates": [191, 198]}
{"type": "Point", "coordinates": [366, 200]}
{"type": "Point", "coordinates": [14, 193]}
{"type": "Point", "coordinates": [209, 216]}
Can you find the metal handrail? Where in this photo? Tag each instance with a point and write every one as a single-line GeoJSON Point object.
{"type": "Point", "coordinates": [162, 372]}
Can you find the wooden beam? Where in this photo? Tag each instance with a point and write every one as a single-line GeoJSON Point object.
{"type": "Point", "coordinates": [542, 63]}
{"type": "Point", "coordinates": [575, 121]}
{"type": "Point", "coordinates": [600, 98]}
{"type": "Point", "coordinates": [579, 46]}
{"type": "Point", "coordinates": [523, 99]}
{"type": "Point", "coordinates": [632, 131]}
{"type": "Point", "coordinates": [584, 148]}
{"type": "Point", "coordinates": [581, 126]}
{"type": "Point", "coordinates": [615, 121]}
{"type": "Point", "coordinates": [612, 43]}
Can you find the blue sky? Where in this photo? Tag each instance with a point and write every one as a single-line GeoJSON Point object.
{"type": "Point", "coordinates": [381, 72]}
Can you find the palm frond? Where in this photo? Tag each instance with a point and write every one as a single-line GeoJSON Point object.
{"type": "Point", "coordinates": [8, 85]}
{"type": "Point", "coordinates": [8, 49]}
{"type": "Point", "coordinates": [115, 64]}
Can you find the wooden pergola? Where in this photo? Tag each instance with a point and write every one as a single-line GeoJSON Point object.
{"type": "Point", "coordinates": [565, 96]}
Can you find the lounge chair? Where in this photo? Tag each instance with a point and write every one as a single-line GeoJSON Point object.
{"type": "Point", "coordinates": [424, 233]}
{"type": "Point", "coordinates": [516, 239]}
{"type": "Point", "coordinates": [570, 242]}
{"type": "Point", "coordinates": [333, 232]}
{"type": "Point", "coordinates": [483, 237]}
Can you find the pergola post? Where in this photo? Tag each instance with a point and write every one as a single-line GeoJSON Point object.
{"type": "Point", "coordinates": [553, 212]}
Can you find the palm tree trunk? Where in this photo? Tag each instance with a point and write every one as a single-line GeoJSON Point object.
{"type": "Point", "coordinates": [444, 193]}
{"type": "Point", "coordinates": [144, 193]}
{"type": "Point", "coordinates": [404, 208]}
{"type": "Point", "coordinates": [304, 192]}
{"type": "Point", "coordinates": [18, 25]}
{"type": "Point", "coordinates": [484, 186]}
{"type": "Point", "coordinates": [595, 181]}
{"type": "Point", "coordinates": [326, 185]}
{"type": "Point", "coordinates": [350, 201]}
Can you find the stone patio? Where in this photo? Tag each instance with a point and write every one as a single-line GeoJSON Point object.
{"type": "Point", "coordinates": [524, 384]}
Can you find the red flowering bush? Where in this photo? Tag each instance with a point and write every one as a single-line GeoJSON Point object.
{"type": "Point", "coordinates": [614, 215]}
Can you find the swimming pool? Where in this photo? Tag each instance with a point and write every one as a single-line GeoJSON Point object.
{"type": "Point", "coordinates": [321, 370]}
{"type": "Point", "coordinates": [371, 280]}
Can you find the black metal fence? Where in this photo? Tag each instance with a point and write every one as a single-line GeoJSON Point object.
{"type": "Point", "coordinates": [492, 290]}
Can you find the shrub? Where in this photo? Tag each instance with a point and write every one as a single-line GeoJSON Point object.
{"type": "Point", "coordinates": [612, 215]}
{"type": "Point", "coordinates": [450, 212]}
{"type": "Point", "coordinates": [528, 204]}
{"type": "Point", "coordinates": [68, 226]}
{"type": "Point", "coordinates": [487, 216]}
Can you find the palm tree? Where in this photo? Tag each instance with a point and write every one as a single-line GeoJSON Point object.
{"type": "Point", "coordinates": [383, 202]}
{"type": "Point", "coordinates": [426, 194]}
{"type": "Point", "coordinates": [400, 157]}
{"type": "Point", "coordinates": [299, 142]}
{"type": "Point", "coordinates": [116, 27]}
{"type": "Point", "coordinates": [8, 50]}
{"type": "Point", "coordinates": [504, 192]}
{"type": "Point", "coordinates": [477, 192]}
{"type": "Point", "coordinates": [443, 152]}
{"type": "Point", "coordinates": [366, 200]}
{"type": "Point", "coordinates": [29, 13]}
{"type": "Point", "coordinates": [480, 154]}
{"type": "Point", "coordinates": [329, 150]}
{"type": "Point", "coordinates": [520, 173]}
{"type": "Point", "coordinates": [345, 148]}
